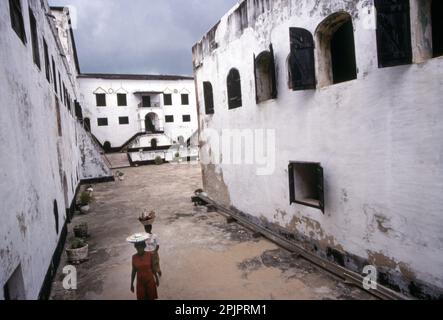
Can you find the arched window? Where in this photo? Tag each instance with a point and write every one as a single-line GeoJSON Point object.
{"type": "Point", "coordinates": [301, 61]}
{"type": "Point", "coordinates": [209, 97]}
{"type": "Point", "coordinates": [265, 79]}
{"type": "Point", "coordinates": [234, 89]}
{"type": "Point", "coordinates": [56, 217]}
{"type": "Point", "coordinates": [437, 27]}
{"type": "Point", "coordinates": [393, 32]}
{"type": "Point", "coordinates": [336, 60]}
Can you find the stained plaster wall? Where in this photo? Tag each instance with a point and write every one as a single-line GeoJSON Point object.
{"type": "Point", "coordinates": [378, 139]}
{"type": "Point", "coordinates": [37, 166]}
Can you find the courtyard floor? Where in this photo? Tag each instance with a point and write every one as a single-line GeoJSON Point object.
{"type": "Point", "coordinates": [202, 256]}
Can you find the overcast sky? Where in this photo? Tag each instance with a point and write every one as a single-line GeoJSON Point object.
{"type": "Point", "coordinates": [141, 36]}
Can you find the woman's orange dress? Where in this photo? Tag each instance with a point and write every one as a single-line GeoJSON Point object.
{"type": "Point", "coordinates": [146, 286]}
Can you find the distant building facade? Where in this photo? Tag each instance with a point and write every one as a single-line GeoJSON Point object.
{"type": "Point", "coordinates": [46, 153]}
{"type": "Point", "coordinates": [139, 112]}
{"type": "Point", "coordinates": [351, 94]}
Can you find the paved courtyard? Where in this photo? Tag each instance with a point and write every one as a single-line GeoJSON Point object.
{"type": "Point", "coordinates": [202, 256]}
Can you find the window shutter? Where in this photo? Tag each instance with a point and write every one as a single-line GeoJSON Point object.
{"type": "Point", "coordinates": [393, 32]}
{"type": "Point", "coordinates": [301, 60]}
{"type": "Point", "coordinates": [209, 97]}
{"type": "Point", "coordinates": [273, 74]}
{"type": "Point", "coordinates": [255, 79]}
{"type": "Point", "coordinates": [321, 191]}
{"type": "Point", "coordinates": [291, 184]}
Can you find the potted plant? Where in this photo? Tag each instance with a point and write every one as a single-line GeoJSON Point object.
{"type": "Point", "coordinates": [120, 175]}
{"type": "Point", "coordinates": [85, 200]}
{"type": "Point", "coordinates": [158, 160]}
{"type": "Point", "coordinates": [81, 231]}
{"type": "Point", "coordinates": [78, 251]}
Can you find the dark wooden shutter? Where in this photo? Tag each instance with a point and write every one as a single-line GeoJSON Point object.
{"type": "Point", "coordinates": [291, 184]}
{"type": "Point", "coordinates": [393, 33]}
{"type": "Point", "coordinates": [234, 89]}
{"type": "Point", "coordinates": [301, 60]}
{"type": "Point", "coordinates": [320, 186]}
{"type": "Point", "coordinates": [272, 72]}
{"type": "Point", "coordinates": [255, 79]}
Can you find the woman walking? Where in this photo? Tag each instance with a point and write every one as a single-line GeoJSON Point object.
{"type": "Point", "coordinates": [142, 268]}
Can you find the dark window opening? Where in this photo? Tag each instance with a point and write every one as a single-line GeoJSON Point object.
{"type": "Point", "coordinates": [123, 120]}
{"type": "Point", "coordinates": [167, 98]}
{"type": "Point", "coordinates": [87, 124]}
{"type": "Point", "coordinates": [56, 217]}
{"type": "Point", "coordinates": [306, 184]}
{"type": "Point", "coordinates": [154, 143]}
{"type": "Point", "coordinates": [100, 99]}
{"type": "Point", "coordinates": [102, 122]}
{"type": "Point", "coordinates": [146, 101]}
{"type": "Point", "coordinates": [60, 83]}
{"type": "Point", "coordinates": [437, 27]}
{"type": "Point", "coordinates": [34, 39]}
{"type": "Point", "coordinates": [14, 288]}
{"type": "Point", "coordinates": [234, 89]}
{"type": "Point", "coordinates": [185, 99]}
{"type": "Point", "coordinates": [301, 60]}
{"type": "Point", "coordinates": [47, 63]}
{"type": "Point", "coordinates": [64, 96]}
{"type": "Point", "coordinates": [16, 13]}
{"type": "Point", "coordinates": [186, 118]}
{"type": "Point", "coordinates": [122, 100]}
{"type": "Point", "coordinates": [265, 78]}
{"type": "Point", "coordinates": [344, 67]}
{"type": "Point", "coordinates": [59, 118]}
{"type": "Point", "coordinates": [169, 119]}
{"type": "Point", "coordinates": [393, 33]}
{"type": "Point", "coordinates": [78, 111]}
{"type": "Point", "coordinates": [54, 75]}
{"type": "Point", "coordinates": [107, 146]}
{"type": "Point", "coordinates": [209, 97]}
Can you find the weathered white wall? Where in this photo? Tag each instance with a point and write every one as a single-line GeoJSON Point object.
{"type": "Point", "coordinates": [34, 159]}
{"type": "Point", "coordinates": [378, 138]}
{"type": "Point", "coordinates": [118, 134]}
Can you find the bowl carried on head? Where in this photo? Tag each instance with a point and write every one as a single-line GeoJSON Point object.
{"type": "Point", "coordinates": [147, 218]}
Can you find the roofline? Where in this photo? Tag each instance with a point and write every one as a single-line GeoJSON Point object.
{"type": "Point", "coordinates": [114, 76]}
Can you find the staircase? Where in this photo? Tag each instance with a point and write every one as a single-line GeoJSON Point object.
{"type": "Point", "coordinates": [118, 160]}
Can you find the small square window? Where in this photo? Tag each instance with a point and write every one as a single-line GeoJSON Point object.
{"type": "Point", "coordinates": [167, 99]}
{"type": "Point", "coordinates": [169, 119]}
{"type": "Point", "coordinates": [121, 100]}
{"type": "Point", "coordinates": [123, 120]}
{"type": "Point", "coordinates": [101, 99]}
{"type": "Point", "coordinates": [186, 118]}
{"type": "Point", "coordinates": [185, 99]}
{"type": "Point", "coordinates": [306, 184]}
{"type": "Point", "coordinates": [102, 122]}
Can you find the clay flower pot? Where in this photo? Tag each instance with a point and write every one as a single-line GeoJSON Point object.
{"type": "Point", "coordinates": [77, 256]}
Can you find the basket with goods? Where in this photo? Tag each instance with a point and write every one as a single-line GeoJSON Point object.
{"type": "Point", "coordinates": [147, 218]}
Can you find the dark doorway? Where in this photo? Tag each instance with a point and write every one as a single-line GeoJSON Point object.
{"type": "Point", "coordinates": [344, 67]}
{"type": "Point", "coordinates": [56, 217]}
{"type": "Point", "coordinates": [437, 27]}
{"type": "Point", "coordinates": [87, 124]}
{"type": "Point", "coordinates": [14, 288]}
{"type": "Point", "coordinates": [149, 125]}
{"type": "Point", "coordinates": [146, 101]}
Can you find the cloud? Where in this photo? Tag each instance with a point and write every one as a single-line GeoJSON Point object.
{"type": "Point", "coordinates": [141, 36]}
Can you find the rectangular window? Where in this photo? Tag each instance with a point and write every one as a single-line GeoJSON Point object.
{"type": "Point", "coordinates": [15, 10]}
{"type": "Point", "coordinates": [185, 99]}
{"type": "Point", "coordinates": [47, 63]}
{"type": "Point", "coordinates": [100, 99]}
{"type": "Point", "coordinates": [123, 120]}
{"type": "Point", "coordinates": [34, 39]}
{"type": "Point", "coordinates": [186, 118]}
{"type": "Point", "coordinates": [306, 184]}
{"type": "Point", "coordinates": [59, 118]}
{"type": "Point", "coordinates": [209, 97]}
{"type": "Point", "coordinates": [146, 101]}
{"type": "Point", "coordinates": [169, 119]}
{"type": "Point", "coordinates": [121, 100]}
{"type": "Point", "coordinates": [54, 75]}
{"type": "Point", "coordinates": [167, 98]}
{"type": "Point", "coordinates": [102, 122]}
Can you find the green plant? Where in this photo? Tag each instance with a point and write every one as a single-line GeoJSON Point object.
{"type": "Point", "coordinates": [177, 155]}
{"type": "Point", "coordinates": [158, 160]}
{"type": "Point", "coordinates": [85, 198]}
{"type": "Point", "coordinates": [78, 243]}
